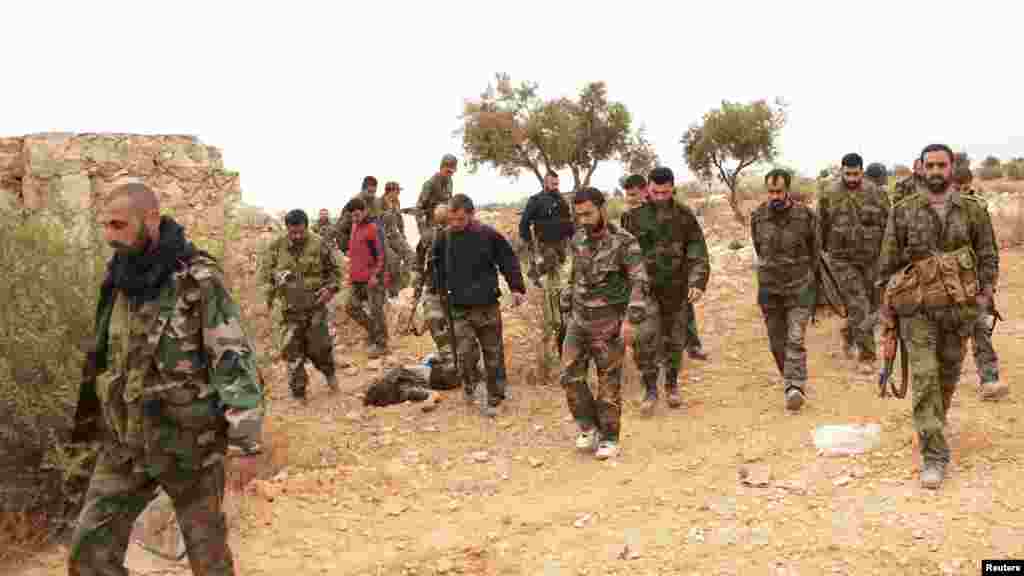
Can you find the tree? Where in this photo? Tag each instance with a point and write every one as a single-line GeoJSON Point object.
{"type": "Point", "coordinates": [511, 129]}
{"type": "Point", "coordinates": [732, 138]}
{"type": "Point", "coordinates": [640, 157]}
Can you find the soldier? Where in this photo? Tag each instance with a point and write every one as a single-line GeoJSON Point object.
{"type": "Point", "coordinates": [545, 227]}
{"type": "Point", "coordinates": [944, 266]}
{"type": "Point", "coordinates": [786, 244]}
{"type": "Point", "coordinates": [400, 256]}
{"type": "Point", "coordinates": [608, 281]}
{"type": "Point", "coordinates": [368, 194]}
{"type": "Point", "coordinates": [637, 195]}
{"type": "Point", "coordinates": [171, 384]}
{"type": "Point", "coordinates": [466, 260]}
{"type": "Point", "coordinates": [852, 217]}
{"type": "Point", "coordinates": [985, 359]}
{"type": "Point", "coordinates": [369, 278]}
{"type": "Point", "coordinates": [323, 225]}
{"type": "Point", "coordinates": [910, 184]}
{"type": "Point", "coordinates": [423, 278]}
{"type": "Point", "coordinates": [302, 268]}
{"type": "Point", "coordinates": [676, 259]}
{"type": "Point", "coordinates": [878, 175]}
{"type": "Point", "coordinates": [436, 190]}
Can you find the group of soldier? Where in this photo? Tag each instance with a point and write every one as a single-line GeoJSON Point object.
{"type": "Point", "coordinates": [171, 386]}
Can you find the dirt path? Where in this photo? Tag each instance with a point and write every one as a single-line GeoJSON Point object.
{"type": "Point", "coordinates": [397, 491]}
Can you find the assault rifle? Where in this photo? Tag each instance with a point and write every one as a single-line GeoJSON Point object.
{"type": "Point", "coordinates": [887, 369]}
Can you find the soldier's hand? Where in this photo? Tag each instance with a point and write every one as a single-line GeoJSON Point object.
{"type": "Point", "coordinates": [518, 299]}
{"type": "Point", "coordinates": [694, 295]}
{"type": "Point", "coordinates": [244, 469]}
{"type": "Point", "coordinates": [324, 295]}
{"type": "Point", "coordinates": [627, 333]}
{"type": "Point", "coordinates": [372, 282]}
{"type": "Point", "coordinates": [888, 344]}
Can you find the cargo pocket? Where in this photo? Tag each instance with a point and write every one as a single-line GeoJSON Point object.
{"type": "Point", "coordinates": [933, 289]}
{"type": "Point", "coordinates": [904, 292]}
{"type": "Point", "coordinates": [110, 390]}
{"type": "Point", "coordinates": [191, 428]}
{"type": "Point", "coordinates": [968, 273]}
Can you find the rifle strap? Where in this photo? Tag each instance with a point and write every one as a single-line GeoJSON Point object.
{"type": "Point", "coordinates": [904, 369]}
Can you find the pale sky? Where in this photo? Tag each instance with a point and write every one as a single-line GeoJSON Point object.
{"type": "Point", "coordinates": [306, 98]}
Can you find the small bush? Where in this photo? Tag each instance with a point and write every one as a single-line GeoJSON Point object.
{"type": "Point", "coordinates": [990, 173]}
{"type": "Point", "coordinates": [1015, 170]}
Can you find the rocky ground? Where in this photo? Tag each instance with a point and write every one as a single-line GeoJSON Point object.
{"type": "Point", "coordinates": [729, 484]}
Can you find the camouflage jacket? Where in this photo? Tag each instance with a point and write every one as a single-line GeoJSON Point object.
{"type": "Point", "coordinates": [436, 190]}
{"type": "Point", "coordinates": [851, 224]}
{"type": "Point", "coordinates": [787, 245]}
{"type": "Point", "coordinates": [324, 229]}
{"type": "Point", "coordinates": [394, 235]}
{"type": "Point", "coordinates": [312, 266]}
{"type": "Point", "coordinates": [425, 260]}
{"type": "Point", "coordinates": [916, 231]}
{"type": "Point", "coordinates": [674, 250]}
{"type": "Point", "coordinates": [905, 188]}
{"type": "Point", "coordinates": [343, 229]}
{"type": "Point", "coordinates": [169, 368]}
{"type": "Point", "coordinates": [608, 271]}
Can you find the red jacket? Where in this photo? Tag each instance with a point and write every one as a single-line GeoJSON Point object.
{"type": "Point", "coordinates": [365, 252]}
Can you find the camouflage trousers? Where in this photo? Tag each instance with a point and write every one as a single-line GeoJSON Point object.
{"type": "Point", "coordinates": [433, 309]}
{"type": "Point", "coordinates": [478, 332]}
{"type": "Point", "coordinates": [595, 335]}
{"type": "Point", "coordinates": [546, 260]}
{"type": "Point", "coordinates": [306, 337]}
{"type": "Point", "coordinates": [858, 283]}
{"type": "Point", "coordinates": [116, 497]}
{"type": "Point", "coordinates": [936, 349]}
{"type": "Point", "coordinates": [786, 323]}
{"type": "Point", "coordinates": [366, 307]}
{"type": "Point", "coordinates": [660, 340]}
{"type": "Point", "coordinates": [985, 358]}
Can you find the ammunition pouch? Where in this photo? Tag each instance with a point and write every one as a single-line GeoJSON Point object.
{"type": "Point", "coordinates": [941, 281]}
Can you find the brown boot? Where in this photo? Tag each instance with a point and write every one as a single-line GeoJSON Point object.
{"type": "Point", "coordinates": [650, 394]}
{"type": "Point", "coordinates": [672, 397]}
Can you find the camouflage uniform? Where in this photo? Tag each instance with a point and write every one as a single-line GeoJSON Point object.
{"type": "Point", "coordinates": [436, 190]}
{"type": "Point", "coordinates": [303, 332]}
{"type": "Point", "coordinates": [608, 274]}
{"type": "Point", "coordinates": [324, 229]}
{"type": "Point", "coordinates": [787, 245]}
{"type": "Point", "coordinates": [400, 256]}
{"type": "Point", "coordinates": [936, 335]}
{"type": "Point", "coordinates": [985, 358]}
{"type": "Point", "coordinates": [164, 372]}
{"type": "Point", "coordinates": [676, 258]}
{"type": "Point", "coordinates": [343, 228]}
{"type": "Point", "coordinates": [851, 226]}
{"type": "Point", "coordinates": [906, 187]}
{"type": "Point", "coordinates": [432, 305]}
{"type": "Point", "coordinates": [413, 383]}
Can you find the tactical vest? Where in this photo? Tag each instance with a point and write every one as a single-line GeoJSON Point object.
{"type": "Point", "coordinates": [157, 404]}
{"type": "Point", "coordinates": [300, 289]}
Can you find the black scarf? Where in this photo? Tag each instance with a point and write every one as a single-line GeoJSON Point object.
{"type": "Point", "coordinates": [141, 277]}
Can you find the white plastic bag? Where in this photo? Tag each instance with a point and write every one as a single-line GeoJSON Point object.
{"type": "Point", "coordinates": [847, 439]}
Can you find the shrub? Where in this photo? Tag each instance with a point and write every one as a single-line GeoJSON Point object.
{"type": "Point", "coordinates": [1015, 170]}
{"type": "Point", "coordinates": [49, 285]}
{"type": "Point", "coordinates": [990, 173]}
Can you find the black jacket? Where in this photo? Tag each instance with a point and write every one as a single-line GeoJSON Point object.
{"type": "Point", "coordinates": [550, 214]}
{"type": "Point", "coordinates": [478, 252]}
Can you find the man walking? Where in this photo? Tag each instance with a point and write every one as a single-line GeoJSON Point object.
{"type": "Point", "coordinates": [545, 227]}
{"type": "Point", "coordinates": [368, 194]}
{"type": "Point", "coordinates": [436, 190]}
{"type": "Point", "coordinates": [369, 279]}
{"type": "Point", "coordinates": [467, 257]}
{"type": "Point", "coordinates": [852, 218]}
{"type": "Point", "coordinates": [786, 244]}
{"type": "Point", "coordinates": [170, 384]}
{"type": "Point", "coordinates": [608, 282]}
{"type": "Point", "coordinates": [941, 267]}
{"type": "Point", "coordinates": [302, 269]}
{"type": "Point", "coordinates": [676, 258]}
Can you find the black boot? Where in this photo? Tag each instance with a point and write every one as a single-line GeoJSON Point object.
{"type": "Point", "coordinates": [672, 388]}
{"type": "Point", "coordinates": [650, 381]}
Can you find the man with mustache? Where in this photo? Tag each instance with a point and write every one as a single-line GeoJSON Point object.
{"type": "Point", "coordinates": [989, 385]}
{"type": "Point", "coordinates": [786, 244]}
{"type": "Point", "coordinates": [608, 283]}
{"type": "Point", "coordinates": [910, 184]}
{"type": "Point", "coordinates": [171, 386]}
{"type": "Point", "coordinates": [941, 266]}
{"type": "Point", "coordinates": [852, 217]}
{"type": "Point", "coordinates": [435, 191]}
{"type": "Point", "coordinates": [676, 258]}
{"type": "Point", "coordinates": [368, 194]}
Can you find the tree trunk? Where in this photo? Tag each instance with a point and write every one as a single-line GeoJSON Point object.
{"type": "Point", "coordinates": [734, 203]}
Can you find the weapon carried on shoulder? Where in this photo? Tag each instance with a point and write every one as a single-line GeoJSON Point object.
{"type": "Point", "coordinates": [830, 291]}
{"type": "Point", "coordinates": [416, 295]}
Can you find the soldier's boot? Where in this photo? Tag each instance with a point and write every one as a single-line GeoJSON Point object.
{"type": "Point", "coordinates": [650, 381]}
{"type": "Point", "coordinates": [994, 390]}
{"type": "Point", "coordinates": [672, 397]}
{"type": "Point", "coordinates": [794, 397]}
{"type": "Point", "coordinates": [932, 474]}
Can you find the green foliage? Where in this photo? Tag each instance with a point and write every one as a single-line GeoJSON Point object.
{"type": "Point", "coordinates": [990, 162]}
{"type": "Point", "coordinates": [511, 129]}
{"type": "Point", "coordinates": [990, 173]}
{"type": "Point", "coordinates": [49, 280]}
{"type": "Point", "coordinates": [731, 138]}
{"type": "Point", "coordinates": [1015, 170]}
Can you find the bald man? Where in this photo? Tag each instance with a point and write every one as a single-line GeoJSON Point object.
{"type": "Point", "coordinates": [171, 385]}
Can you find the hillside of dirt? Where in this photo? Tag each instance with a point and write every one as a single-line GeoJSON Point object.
{"type": "Point", "coordinates": [729, 484]}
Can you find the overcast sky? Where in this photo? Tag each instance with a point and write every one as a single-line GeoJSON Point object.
{"type": "Point", "coordinates": [306, 98]}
